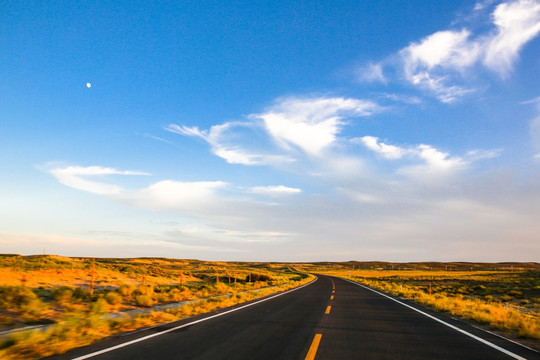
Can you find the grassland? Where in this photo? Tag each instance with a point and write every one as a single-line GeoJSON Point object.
{"type": "Point", "coordinates": [71, 302]}
{"type": "Point", "coordinates": [503, 297]}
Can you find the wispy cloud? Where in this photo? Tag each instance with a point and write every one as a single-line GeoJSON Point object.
{"type": "Point", "coordinates": [385, 150]}
{"type": "Point", "coordinates": [432, 160]}
{"type": "Point", "coordinates": [516, 24]}
{"type": "Point", "coordinates": [371, 73]}
{"type": "Point", "coordinates": [311, 124]}
{"type": "Point", "coordinates": [76, 177]}
{"type": "Point", "coordinates": [224, 143]}
{"type": "Point", "coordinates": [440, 62]}
{"type": "Point", "coordinates": [275, 190]}
{"type": "Point", "coordinates": [170, 195]}
{"type": "Point", "coordinates": [275, 136]}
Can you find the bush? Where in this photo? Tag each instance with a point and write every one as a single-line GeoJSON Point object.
{"type": "Point", "coordinates": [16, 297]}
{"type": "Point", "coordinates": [99, 307]}
{"type": "Point", "coordinates": [144, 300]}
{"type": "Point", "coordinates": [113, 298]}
{"type": "Point", "coordinates": [126, 290]}
{"type": "Point", "coordinates": [62, 294]}
{"type": "Point", "coordinates": [258, 277]}
{"type": "Point", "coordinates": [147, 290]}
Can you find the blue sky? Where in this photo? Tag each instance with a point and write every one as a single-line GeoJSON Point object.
{"type": "Point", "coordinates": [272, 131]}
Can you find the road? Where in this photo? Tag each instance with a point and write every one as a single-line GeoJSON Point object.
{"type": "Point", "coordinates": [328, 319]}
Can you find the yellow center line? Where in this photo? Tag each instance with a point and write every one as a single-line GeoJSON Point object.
{"type": "Point", "coordinates": [328, 310]}
{"type": "Point", "coordinates": [314, 346]}
{"type": "Point", "coordinates": [332, 297]}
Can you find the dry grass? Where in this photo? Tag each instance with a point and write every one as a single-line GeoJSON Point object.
{"type": "Point", "coordinates": [55, 290]}
{"type": "Point", "coordinates": [503, 300]}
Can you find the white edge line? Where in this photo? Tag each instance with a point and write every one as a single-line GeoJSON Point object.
{"type": "Point", "coordinates": [103, 351]}
{"type": "Point", "coordinates": [505, 338]}
{"type": "Point", "coordinates": [515, 356]}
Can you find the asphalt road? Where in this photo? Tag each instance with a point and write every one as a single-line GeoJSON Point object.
{"type": "Point", "coordinates": [328, 319]}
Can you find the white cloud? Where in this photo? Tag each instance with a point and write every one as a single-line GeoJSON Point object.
{"type": "Point", "coordinates": [535, 101]}
{"type": "Point", "coordinates": [385, 150]}
{"type": "Point", "coordinates": [482, 5]}
{"type": "Point", "coordinates": [312, 124]}
{"type": "Point", "coordinates": [403, 98]}
{"type": "Point", "coordinates": [444, 49]}
{"type": "Point", "coordinates": [437, 160]}
{"type": "Point", "coordinates": [434, 160]}
{"type": "Point", "coordinates": [474, 155]}
{"type": "Point", "coordinates": [170, 195]}
{"type": "Point", "coordinates": [224, 142]}
{"type": "Point", "coordinates": [275, 190]}
{"type": "Point", "coordinates": [517, 23]}
{"type": "Point", "coordinates": [425, 64]}
{"type": "Point", "coordinates": [371, 73]}
{"type": "Point", "coordinates": [441, 62]}
{"type": "Point", "coordinates": [74, 176]}
{"type": "Point", "coordinates": [188, 131]}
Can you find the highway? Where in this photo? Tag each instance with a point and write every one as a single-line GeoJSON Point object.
{"type": "Point", "coordinates": [330, 318]}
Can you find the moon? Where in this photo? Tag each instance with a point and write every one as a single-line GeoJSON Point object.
{"type": "Point", "coordinates": [88, 85]}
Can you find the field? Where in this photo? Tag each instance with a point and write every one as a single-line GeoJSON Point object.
{"type": "Point", "coordinates": [502, 297]}
{"type": "Point", "coordinates": [62, 303]}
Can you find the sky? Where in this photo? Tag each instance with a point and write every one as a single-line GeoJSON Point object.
{"type": "Point", "coordinates": [271, 130]}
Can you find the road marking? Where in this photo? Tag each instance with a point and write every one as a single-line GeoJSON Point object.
{"type": "Point", "coordinates": [332, 297]}
{"type": "Point", "coordinates": [328, 310]}
{"type": "Point", "coordinates": [106, 350]}
{"type": "Point", "coordinates": [515, 356]}
{"type": "Point", "coordinates": [314, 346]}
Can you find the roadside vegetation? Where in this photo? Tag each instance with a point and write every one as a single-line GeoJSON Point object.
{"type": "Point", "coordinates": [61, 303]}
{"type": "Point", "coordinates": [504, 297]}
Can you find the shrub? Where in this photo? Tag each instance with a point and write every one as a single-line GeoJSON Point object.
{"type": "Point", "coordinates": [113, 298]}
{"type": "Point", "coordinates": [16, 297]}
{"type": "Point", "coordinates": [126, 290]}
{"type": "Point", "coordinates": [147, 290]}
{"type": "Point", "coordinates": [99, 307]}
{"type": "Point", "coordinates": [144, 300]}
{"type": "Point", "coordinates": [62, 294]}
{"type": "Point", "coordinates": [80, 294]}
{"type": "Point", "coordinates": [258, 277]}
{"type": "Point", "coordinates": [222, 288]}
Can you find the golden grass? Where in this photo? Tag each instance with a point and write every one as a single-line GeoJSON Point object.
{"type": "Point", "coordinates": [502, 316]}
{"type": "Point", "coordinates": [80, 319]}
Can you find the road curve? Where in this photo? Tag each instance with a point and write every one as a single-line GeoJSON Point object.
{"type": "Point", "coordinates": [328, 319]}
